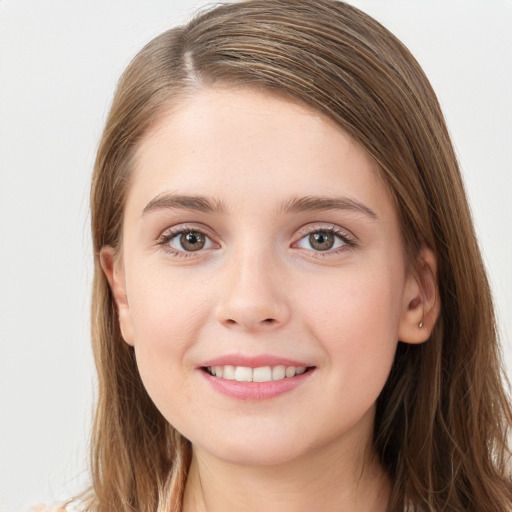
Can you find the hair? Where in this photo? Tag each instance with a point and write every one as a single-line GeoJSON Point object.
{"type": "Point", "coordinates": [442, 419]}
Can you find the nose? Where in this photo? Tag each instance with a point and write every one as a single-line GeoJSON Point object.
{"type": "Point", "coordinates": [253, 294]}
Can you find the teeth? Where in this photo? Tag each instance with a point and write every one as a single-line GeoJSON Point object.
{"type": "Point", "coordinates": [260, 374]}
{"type": "Point", "coordinates": [290, 371]}
{"type": "Point", "coordinates": [228, 372]}
{"type": "Point", "coordinates": [243, 374]}
{"type": "Point", "coordinates": [278, 372]}
{"type": "Point", "coordinates": [263, 374]}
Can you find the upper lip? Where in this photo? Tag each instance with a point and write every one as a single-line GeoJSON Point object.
{"type": "Point", "coordinates": [252, 361]}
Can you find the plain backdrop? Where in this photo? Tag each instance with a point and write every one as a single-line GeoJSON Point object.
{"type": "Point", "coordinates": [59, 63]}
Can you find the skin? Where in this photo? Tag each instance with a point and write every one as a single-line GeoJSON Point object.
{"type": "Point", "coordinates": [259, 286]}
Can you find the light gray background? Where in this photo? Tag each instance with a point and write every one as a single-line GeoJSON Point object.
{"type": "Point", "coordinates": [59, 62]}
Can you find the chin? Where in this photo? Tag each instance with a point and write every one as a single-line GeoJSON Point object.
{"type": "Point", "coordinates": [250, 457]}
{"type": "Point", "coordinates": [259, 450]}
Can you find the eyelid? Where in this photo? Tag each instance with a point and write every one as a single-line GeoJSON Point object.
{"type": "Point", "coordinates": [346, 236]}
{"type": "Point", "coordinates": [169, 234]}
{"type": "Point", "coordinates": [324, 226]}
{"type": "Point", "coordinates": [180, 228]}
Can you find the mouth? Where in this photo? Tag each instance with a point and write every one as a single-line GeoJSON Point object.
{"type": "Point", "coordinates": [258, 374]}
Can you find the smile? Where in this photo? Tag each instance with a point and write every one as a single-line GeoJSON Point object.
{"type": "Point", "coordinates": [255, 377]}
{"type": "Point", "coordinates": [259, 374]}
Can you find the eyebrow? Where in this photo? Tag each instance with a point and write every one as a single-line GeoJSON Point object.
{"type": "Point", "coordinates": [317, 203]}
{"type": "Point", "coordinates": [169, 201]}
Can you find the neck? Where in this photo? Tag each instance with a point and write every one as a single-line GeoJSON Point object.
{"type": "Point", "coordinates": [326, 480]}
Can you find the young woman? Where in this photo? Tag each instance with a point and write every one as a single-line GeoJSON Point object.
{"type": "Point", "coordinates": [290, 310]}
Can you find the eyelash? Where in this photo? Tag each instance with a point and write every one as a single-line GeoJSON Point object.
{"type": "Point", "coordinates": [349, 242]}
{"type": "Point", "coordinates": [172, 233]}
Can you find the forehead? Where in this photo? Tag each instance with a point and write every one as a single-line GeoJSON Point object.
{"type": "Point", "coordinates": [221, 140]}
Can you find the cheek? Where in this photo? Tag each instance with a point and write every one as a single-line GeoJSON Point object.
{"type": "Point", "coordinates": [166, 310]}
{"type": "Point", "coordinates": [166, 316]}
{"type": "Point", "coordinates": [357, 320]}
{"type": "Point", "coordinates": [357, 301]}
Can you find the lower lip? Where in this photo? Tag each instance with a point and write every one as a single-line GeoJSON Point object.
{"type": "Point", "coordinates": [255, 391]}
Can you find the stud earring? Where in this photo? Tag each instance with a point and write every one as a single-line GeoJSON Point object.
{"type": "Point", "coordinates": [420, 325]}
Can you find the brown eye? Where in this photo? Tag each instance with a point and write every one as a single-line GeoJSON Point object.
{"type": "Point", "coordinates": [192, 241]}
{"type": "Point", "coordinates": [322, 240]}
{"type": "Point", "coordinates": [186, 240]}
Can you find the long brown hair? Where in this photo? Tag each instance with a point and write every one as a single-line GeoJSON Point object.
{"type": "Point", "coordinates": [442, 419]}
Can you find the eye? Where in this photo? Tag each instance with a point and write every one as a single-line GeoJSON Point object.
{"type": "Point", "coordinates": [323, 240]}
{"type": "Point", "coordinates": [185, 240]}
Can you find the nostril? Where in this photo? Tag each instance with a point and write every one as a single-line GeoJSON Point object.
{"type": "Point", "coordinates": [269, 320]}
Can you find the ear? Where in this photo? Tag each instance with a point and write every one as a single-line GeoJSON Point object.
{"type": "Point", "coordinates": [112, 266]}
{"type": "Point", "coordinates": [421, 305]}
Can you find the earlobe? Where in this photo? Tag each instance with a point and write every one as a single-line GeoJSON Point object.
{"type": "Point", "coordinates": [421, 306]}
{"type": "Point", "coordinates": [113, 269]}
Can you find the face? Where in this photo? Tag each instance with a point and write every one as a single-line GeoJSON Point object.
{"type": "Point", "coordinates": [262, 279]}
